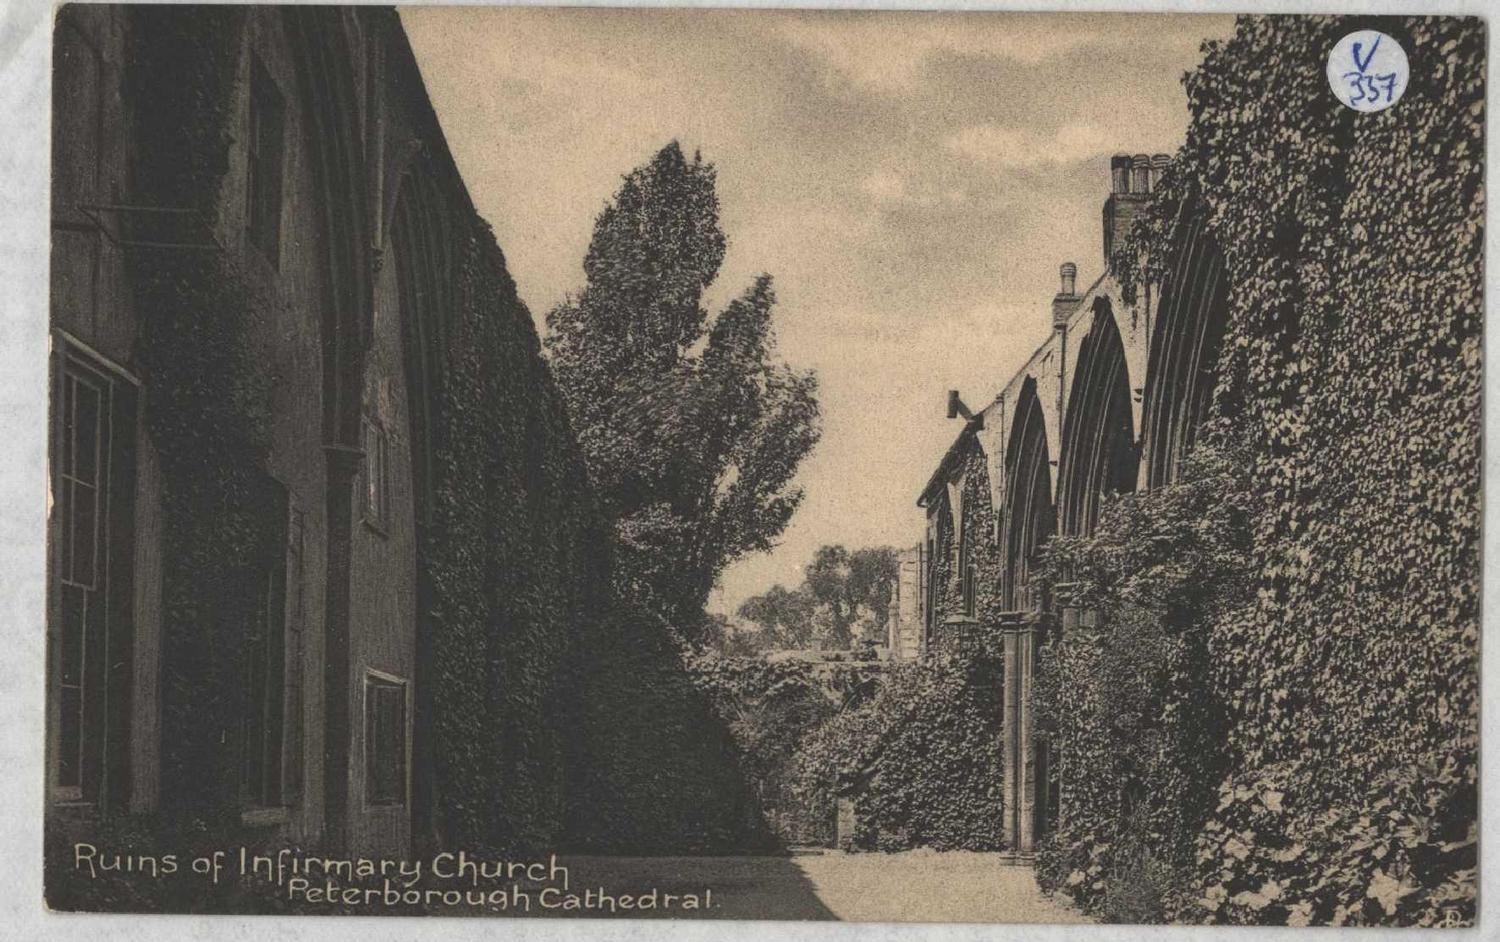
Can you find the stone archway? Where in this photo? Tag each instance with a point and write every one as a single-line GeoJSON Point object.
{"type": "Point", "coordinates": [1029, 519]}
{"type": "Point", "coordinates": [1184, 353]}
{"type": "Point", "coordinates": [419, 239]}
{"type": "Point", "coordinates": [1099, 454]}
{"type": "Point", "coordinates": [1029, 522]}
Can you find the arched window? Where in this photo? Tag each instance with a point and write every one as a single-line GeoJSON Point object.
{"type": "Point", "coordinates": [967, 568]}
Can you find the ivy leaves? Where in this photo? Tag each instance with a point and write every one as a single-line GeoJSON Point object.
{"type": "Point", "coordinates": [1350, 387]}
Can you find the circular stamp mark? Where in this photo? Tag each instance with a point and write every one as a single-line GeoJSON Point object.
{"type": "Point", "coordinates": [1367, 70]}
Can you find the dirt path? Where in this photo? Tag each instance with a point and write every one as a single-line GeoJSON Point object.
{"type": "Point", "coordinates": [918, 886]}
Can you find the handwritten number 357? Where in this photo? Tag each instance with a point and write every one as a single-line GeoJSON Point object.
{"type": "Point", "coordinates": [1369, 87]}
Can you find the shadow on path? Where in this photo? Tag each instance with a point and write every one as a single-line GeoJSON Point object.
{"type": "Point", "coordinates": [917, 886]}
{"type": "Point", "coordinates": [740, 887]}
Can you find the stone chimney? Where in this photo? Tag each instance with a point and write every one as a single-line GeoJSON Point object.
{"type": "Point", "coordinates": [1131, 182]}
{"type": "Point", "coordinates": [1067, 296]}
{"type": "Point", "coordinates": [1159, 165]}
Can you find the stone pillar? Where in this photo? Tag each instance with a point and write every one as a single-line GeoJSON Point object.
{"type": "Point", "coordinates": [1009, 735]}
{"type": "Point", "coordinates": [1019, 646]}
{"type": "Point", "coordinates": [1026, 758]}
{"type": "Point", "coordinates": [844, 826]}
{"type": "Point", "coordinates": [906, 606]}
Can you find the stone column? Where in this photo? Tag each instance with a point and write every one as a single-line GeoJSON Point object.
{"type": "Point", "coordinates": [1026, 754]}
{"type": "Point", "coordinates": [846, 824]}
{"type": "Point", "coordinates": [1019, 646]}
{"type": "Point", "coordinates": [1009, 736]}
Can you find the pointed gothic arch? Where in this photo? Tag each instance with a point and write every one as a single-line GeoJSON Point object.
{"type": "Point", "coordinates": [1184, 356]}
{"type": "Point", "coordinates": [1099, 454]}
{"type": "Point", "coordinates": [324, 50]}
{"type": "Point", "coordinates": [1029, 517]}
{"type": "Point", "coordinates": [420, 236]}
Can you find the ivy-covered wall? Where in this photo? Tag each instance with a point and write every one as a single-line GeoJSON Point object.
{"type": "Point", "coordinates": [657, 769]}
{"type": "Point", "coordinates": [922, 759]}
{"type": "Point", "coordinates": [206, 399]}
{"type": "Point", "coordinates": [551, 719]}
{"type": "Point", "coordinates": [1124, 696]}
{"type": "Point", "coordinates": [773, 706]}
{"type": "Point", "coordinates": [206, 421]}
{"type": "Point", "coordinates": [1351, 378]}
{"type": "Point", "coordinates": [514, 561]}
{"type": "Point", "coordinates": [562, 719]}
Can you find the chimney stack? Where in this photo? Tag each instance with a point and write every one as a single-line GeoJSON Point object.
{"type": "Point", "coordinates": [1119, 174]}
{"type": "Point", "coordinates": [1140, 173]}
{"type": "Point", "coordinates": [1131, 182]}
{"type": "Point", "coordinates": [1067, 296]}
{"type": "Point", "coordinates": [1159, 165]}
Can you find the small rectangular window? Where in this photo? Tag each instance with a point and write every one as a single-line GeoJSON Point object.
{"type": "Point", "coordinates": [377, 474]}
{"type": "Point", "coordinates": [263, 162]}
{"type": "Point", "coordinates": [385, 740]}
{"type": "Point", "coordinates": [968, 572]}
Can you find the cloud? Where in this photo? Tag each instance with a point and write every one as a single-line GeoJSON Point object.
{"type": "Point", "coordinates": [1026, 148]}
{"type": "Point", "coordinates": [859, 47]}
{"type": "Point", "coordinates": [910, 180]}
{"type": "Point", "coordinates": [886, 187]}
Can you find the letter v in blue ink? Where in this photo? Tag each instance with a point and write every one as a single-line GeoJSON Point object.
{"type": "Point", "coordinates": [1368, 71]}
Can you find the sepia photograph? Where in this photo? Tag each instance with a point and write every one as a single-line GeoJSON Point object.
{"type": "Point", "coordinates": [763, 464]}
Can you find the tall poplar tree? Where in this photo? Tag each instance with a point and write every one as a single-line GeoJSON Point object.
{"type": "Point", "coordinates": [692, 426]}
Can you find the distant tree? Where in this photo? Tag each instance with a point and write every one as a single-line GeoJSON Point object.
{"type": "Point", "coordinates": [852, 592]}
{"type": "Point", "coordinates": [784, 617]}
{"type": "Point", "coordinates": [720, 634]}
{"type": "Point", "coordinates": [844, 598]}
{"type": "Point", "coordinates": [692, 427]}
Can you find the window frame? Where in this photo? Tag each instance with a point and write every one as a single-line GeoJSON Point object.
{"type": "Point", "coordinates": [105, 639]}
{"type": "Point", "coordinates": [375, 475]}
{"type": "Point", "coordinates": [968, 573]}
{"type": "Point", "coordinates": [380, 683]}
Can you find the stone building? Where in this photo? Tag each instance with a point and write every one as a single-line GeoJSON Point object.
{"type": "Point", "coordinates": [904, 624]}
{"type": "Point", "coordinates": [1108, 403]}
{"type": "Point", "coordinates": [326, 190]}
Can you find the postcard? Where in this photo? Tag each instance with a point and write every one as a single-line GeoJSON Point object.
{"type": "Point", "coordinates": [976, 467]}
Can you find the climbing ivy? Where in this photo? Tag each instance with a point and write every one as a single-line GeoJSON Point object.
{"type": "Point", "coordinates": [921, 759]}
{"type": "Point", "coordinates": [563, 717]}
{"type": "Point", "coordinates": [1351, 377]}
{"type": "Point", "coordinates": [207, 399]}
{"type": "Point", "coordinates": [659, 770]}
{"type": "Point", "coordinates": [545, 698]}
{"type": "Point", "coordinates": [512, 555]}
{"type": "Point", "coordinates": [770, 706]}
{"type": "Point", "coordinates": [1125, 699]}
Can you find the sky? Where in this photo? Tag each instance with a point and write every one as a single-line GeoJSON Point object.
{"type": "Point", "coordinates": [912, 181]}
